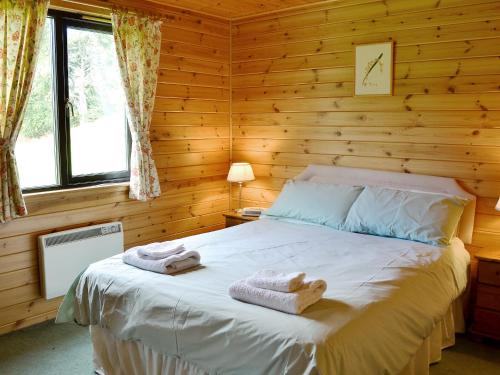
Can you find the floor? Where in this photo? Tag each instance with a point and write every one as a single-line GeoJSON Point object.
{"type": "Point", "coordinates": [49, 349]}
{"type": "Point", "coordinates": [46, 349]}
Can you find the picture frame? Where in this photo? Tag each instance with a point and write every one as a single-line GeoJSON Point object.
{"type": "Point", "coordinates": [373, 71]}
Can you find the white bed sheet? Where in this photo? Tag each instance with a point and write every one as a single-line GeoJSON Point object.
{"type": "Point", "coordinates": [117, 357]}
{"type": "Point", "coordinates": [384, 297]}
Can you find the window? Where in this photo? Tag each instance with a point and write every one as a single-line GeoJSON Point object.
{"type": "Point", "coordinates": [74, 131]}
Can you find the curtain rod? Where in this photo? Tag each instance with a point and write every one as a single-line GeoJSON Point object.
{"type": "Point", "coordinates": [84, 8]}
{"type": "Point", "coordinates": [103, 8]}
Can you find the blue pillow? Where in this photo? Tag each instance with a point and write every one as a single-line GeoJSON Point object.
{"type": "Point", "coordinates": [324, 204]}
{"type": "Point", "coordinates": [423, 217]}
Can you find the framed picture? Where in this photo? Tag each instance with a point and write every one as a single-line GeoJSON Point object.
{"type": "Point", "coordinates": [373, 69]}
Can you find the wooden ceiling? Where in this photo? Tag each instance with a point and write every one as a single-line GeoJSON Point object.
{"type": "Point", "coordinates": [233, 9]}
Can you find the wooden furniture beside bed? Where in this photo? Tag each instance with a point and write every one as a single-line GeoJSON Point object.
{"type": "Point", "coordinates": [234, 218]}
{"type": "Point", "coordinates": [486, 320]}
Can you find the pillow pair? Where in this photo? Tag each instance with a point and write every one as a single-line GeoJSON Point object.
{"type": "Point", "coordinates": [417, 216]}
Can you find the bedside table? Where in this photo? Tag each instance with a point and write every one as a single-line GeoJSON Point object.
{"type": "Point", "coordinates": [234, 218]}
{"type": "Point", "coordinates": [486, 319]}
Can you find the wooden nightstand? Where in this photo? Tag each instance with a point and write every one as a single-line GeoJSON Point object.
{"type": "Point", "coordinates": [486, 319]}
{"type": "Point", "coordinates": [234, 218]}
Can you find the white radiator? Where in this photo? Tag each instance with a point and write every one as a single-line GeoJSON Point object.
{"type": "Point", "coordinates": [63, 255]}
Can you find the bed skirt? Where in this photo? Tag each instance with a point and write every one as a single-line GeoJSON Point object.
{"type": "Point", "coordinates": [116, 357]}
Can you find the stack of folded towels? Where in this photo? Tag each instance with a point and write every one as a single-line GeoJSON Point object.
{"type": "Point", "coordinates": [162, 257]}
{"type": "Point", "coordinates": [291, 293]}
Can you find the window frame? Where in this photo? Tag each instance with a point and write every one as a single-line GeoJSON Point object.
{"type": "Point", "coordinates": [62, 132]}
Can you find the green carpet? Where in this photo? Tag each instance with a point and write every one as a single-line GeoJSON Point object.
{"type": "Point", "coordinates": [49, 349]}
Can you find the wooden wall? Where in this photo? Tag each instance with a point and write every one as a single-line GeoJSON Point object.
{"type": "Point", "coordinates": [190, 136]}
{"type": "Point", "coordinates": [293, 102]}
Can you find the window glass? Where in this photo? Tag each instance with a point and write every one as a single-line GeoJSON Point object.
{"type": "Point", "coordinates": [36, 145]}
{"type": "Point", "coordinates": [96, 104]}
{"type": "Point", "coordinates": [74, 130]}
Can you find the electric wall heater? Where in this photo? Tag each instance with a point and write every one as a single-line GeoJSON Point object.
{"type": "Point", "coordinates": [63, 255]}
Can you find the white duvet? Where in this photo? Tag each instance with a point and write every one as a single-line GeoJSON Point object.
{"type": "Point", "coordinates": [383, 299]}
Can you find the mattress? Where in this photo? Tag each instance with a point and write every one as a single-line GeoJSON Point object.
{"type": "Point", "coordinates": [384, 297]}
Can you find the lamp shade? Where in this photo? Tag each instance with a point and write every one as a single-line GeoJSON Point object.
{"type": "Point", "coordinates": [240, 172]}
{"type": "Point", "coordinates": [497, 207]}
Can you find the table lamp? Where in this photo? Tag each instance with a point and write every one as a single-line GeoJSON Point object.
{"type": "Point", "coordinates": [240, 172]}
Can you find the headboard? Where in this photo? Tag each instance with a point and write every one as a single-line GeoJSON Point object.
{"type": "Point", "coordinates": [404, 181]}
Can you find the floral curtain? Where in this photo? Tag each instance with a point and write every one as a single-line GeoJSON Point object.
{"type": "Point", "coordinates": [21, 28]}
{"type": "Point", "coordinates": [138, 43]}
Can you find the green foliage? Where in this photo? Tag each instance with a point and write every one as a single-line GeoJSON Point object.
{"type": "Point", "coordinates": [91, 67]}
{"type": "Point", "coordinates": [39, 115]}
{"type": "Point", "coordinates": [84, 50]}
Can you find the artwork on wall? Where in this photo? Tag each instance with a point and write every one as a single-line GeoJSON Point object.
{"type": "Point", "coordinates": [373, 69]}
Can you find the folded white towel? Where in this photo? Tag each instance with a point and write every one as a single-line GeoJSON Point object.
{"type": "Point", "coordinates": [160, 250]}
{"type": "Point", "coordinates": [278, 281]}
{"type": "Point", "coordinates": [182, 265]}
{"type": "Point", "coordinates": [292, 303]}
{"type": "Point", "coordinates": [172, 264]}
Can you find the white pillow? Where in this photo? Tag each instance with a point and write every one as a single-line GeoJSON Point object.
{"type": "Point", "coordinates": [325, 204]}
{"type": "Point", "coordinates": [424, 217]}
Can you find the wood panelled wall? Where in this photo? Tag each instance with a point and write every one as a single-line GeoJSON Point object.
{"type": "Point", "coordinates": [190, 134]}
{"type": "Point", "coordinates": [293, 100]}
{"type": "Point", "coordinates": [292, 104]}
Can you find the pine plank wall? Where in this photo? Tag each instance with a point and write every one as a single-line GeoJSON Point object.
{"type": "Point", "coordinates": [190, 134]}
{"type": "Point", "coordinates": [292, 104]}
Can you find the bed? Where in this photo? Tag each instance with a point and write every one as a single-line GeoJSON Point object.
{"type": "Point", "coordinates": [390, 307]}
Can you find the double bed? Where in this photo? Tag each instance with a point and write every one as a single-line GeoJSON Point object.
{"type": "Point", "coordinates": [390, 307]}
